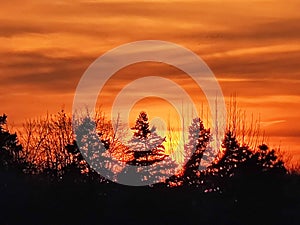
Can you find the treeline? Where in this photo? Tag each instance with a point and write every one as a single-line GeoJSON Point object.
{"type": "Point", "coordinates": [46, 146]}
{"type": "Point", "coordinates": [44, 178]}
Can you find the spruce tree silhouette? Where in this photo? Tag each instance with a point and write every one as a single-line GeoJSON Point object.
{"type": "Point", "coordinates": [199, 139]}
{"type": "Point", "coordinates": [141, 127]}
{"type": "Point", "coordinates": [233, 156]}
{"type": "Point", "coordinates": [146, 149]}
{"type": "Point", "coordinates": [199, 142]}
{"type": "Point", "coordinates": [10, 149]}
{"type": "Point", "coordinates": [145, 145]}
{"type": "Point", "coordinates": [93, 148]}
{"type": "Point", "coordinates": [242, 169]}
{"type": "Point", "coordinates": [243, 161]}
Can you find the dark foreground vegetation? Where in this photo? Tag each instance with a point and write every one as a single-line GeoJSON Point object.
{"type": "Point", "coordinates": [241, 186]}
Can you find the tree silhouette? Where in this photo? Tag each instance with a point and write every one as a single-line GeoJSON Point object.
{"type": "Point", "coordinates": [93, 147]}
{"type": "Point", "coordinates": [242, 166]}
{"type": "Point", "coordinates": [44, 140]}
{"type": "Point", "coordinates": [233, 155]}
{"type": "Point", "coordinates": [199, 139]}
{"type": "Point", "coordinates": [141, 127]}
{"type": "Point", "coordinates": [10, 149]}
{"type": "Point", "coordinates": [146, 149]}
{"type": "Point", "coordinates": [146, 145]}
{"type": "Point", "coordinates": [238, 159]}
{"type": "Point", "coordinates": [269, 160]}
{"type": "Point", "coordinates": [245, 181]}
{"type": "Point", "coordinates": [78, 165]}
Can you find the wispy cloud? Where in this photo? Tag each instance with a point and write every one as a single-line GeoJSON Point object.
{"type": "Point", "coordinates": [270, 123]}
{"type": "Point", "coordinates": [251, 46]}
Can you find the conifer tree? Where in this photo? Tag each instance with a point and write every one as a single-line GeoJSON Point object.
{"type": "Point", "coordinates": [199, 139]}
{"type": "Point", "coordinates": [146, 142]}
{"type": "Point", "coordinates": [10, 149]}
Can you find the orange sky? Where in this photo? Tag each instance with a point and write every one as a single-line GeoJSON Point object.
{"type": "Point", "coordinates": [252, 47]}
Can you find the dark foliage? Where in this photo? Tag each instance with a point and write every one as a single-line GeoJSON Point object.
{"type": "Point", "coordinates": [10, 159]}
{"type": "Point", "coordinates": [244, 186]}
{"type": "Point", "coordinates": [146, 146]}
{"type": "Point", "coordinates": [141, 128]}
{"type": "Point", "coordinates": [198, 145]}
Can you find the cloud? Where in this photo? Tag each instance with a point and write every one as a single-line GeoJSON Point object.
{"type": "Point", "coordinates": [39, 72]}
{"type": "Point", "coordinates": [270, 123]}
{"type": "Point", "coordinates": [252, 48]}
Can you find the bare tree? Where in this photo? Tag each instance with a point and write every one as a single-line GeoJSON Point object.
{"type": "Point", "coordinates": [44, 140]}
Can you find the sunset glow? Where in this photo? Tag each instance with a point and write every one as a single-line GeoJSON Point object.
{"type": "Point", "coordinates": [252, 47]}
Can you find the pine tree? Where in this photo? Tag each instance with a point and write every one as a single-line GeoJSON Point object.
{"type": "Point", "coordinates": [232, 157]}
{"type": "Point", "coordinates": [240, 160]}
{"type": "Point", "coordinates": [92, 148]}
{"type": "Point", "coordinates": [141, 127]}
{"type": "Point", "coordinates": [145, 145]}
{"type": "Point", "coordinates": [148, 159]}
{"type": "Point", "coordinates": [10, 149]}
{"type": "Point", "coordinates": [199, 139]}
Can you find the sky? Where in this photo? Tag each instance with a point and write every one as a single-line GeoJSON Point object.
{"type": "Point", "coordinates": [252, 47]}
